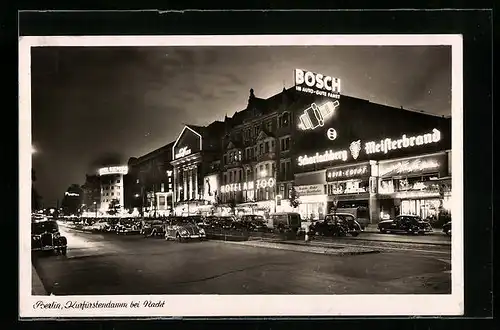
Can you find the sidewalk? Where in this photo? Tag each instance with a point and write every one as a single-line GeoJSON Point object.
{"type": "Point", "coordinates": [37, 288]}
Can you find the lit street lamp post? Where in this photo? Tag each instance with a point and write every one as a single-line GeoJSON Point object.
{"type": "Point", "coordinates": [95, 207]}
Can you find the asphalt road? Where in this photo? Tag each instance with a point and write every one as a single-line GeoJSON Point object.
{"type": "Point", "coordinates": [108, 264]}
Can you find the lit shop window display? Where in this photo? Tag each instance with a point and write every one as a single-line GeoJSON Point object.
{"type": "Point", "coordinates": [421, 183]}
{"type": "Point", "coordinates": [348, 187]}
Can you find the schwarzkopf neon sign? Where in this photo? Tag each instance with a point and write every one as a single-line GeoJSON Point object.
{"type": "Point", "coordinates": [372, 147]}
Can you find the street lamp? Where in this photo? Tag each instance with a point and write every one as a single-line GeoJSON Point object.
{"type": "Point", "coordinates": [95, 207]}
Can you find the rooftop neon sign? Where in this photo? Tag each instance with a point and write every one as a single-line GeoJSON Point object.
{"type": "Point", "coordinates": [113, 170]}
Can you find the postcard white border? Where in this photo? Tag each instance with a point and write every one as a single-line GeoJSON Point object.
{"type": "Point", "coordinates": [246, 305]}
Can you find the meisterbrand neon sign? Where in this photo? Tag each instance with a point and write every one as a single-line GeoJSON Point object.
{"type": "Point", "coordinates": [387, 144]}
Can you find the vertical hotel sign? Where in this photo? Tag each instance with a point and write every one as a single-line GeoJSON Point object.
{"type": "Point", "coordinates": [317, 84]}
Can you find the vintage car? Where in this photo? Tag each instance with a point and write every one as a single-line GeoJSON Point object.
{"type": "Point", "coordinates": [224, 222]}
{"type": "Point", "coordinates": [127, 228]}
{"type": "Point", "coordinates": [337, 224]}
{"type": "Point", "coordinates": [99, 225]}
{"type": "Point", "coordinates": [183, 228]}
{"type": "Point", "coordinates": [45, 236]}
{"type": "Point", "coordinates": [447, 228]}
{"type": "Point", "coordinates": [153, 228]}
{"type": "Point", "coordinates": [411, 224]}
{"type": "Point", "coordinates": [252, 222]}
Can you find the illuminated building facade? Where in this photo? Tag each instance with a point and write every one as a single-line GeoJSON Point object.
{"type": "Point", "coordinates": [336, 151]}
{"type": "Point", "coordinates": [256, 171]}
{"type": "Point", "coordinates": [195, 180]}
{"type": "Point", "coordinates": [354, 154]}
{"type": "Point", "coordinates": [150, 183]}
{"type": "Point", "coordinates": [111, 179]}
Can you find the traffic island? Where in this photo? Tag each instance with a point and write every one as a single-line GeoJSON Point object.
{"type": "Point", "coordinates": [301, 246]}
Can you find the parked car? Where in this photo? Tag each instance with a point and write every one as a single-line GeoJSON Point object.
{"type": "Point", "coordinates": [338, 224]}
{"type": "Point", "coordinates": [361, 214]}
{"type": "Point", "coordinates": [224, 222]}
{"type": "Point", "coordinates": [447, 228]}
{"type": "Point", "coordinates": [410, 224]}
{"type": "Point", "coordinates": [153, 228]}
{"type": "Point", "coordinates": [127, 227]}
{"type": "Point", "coordinates": [252, 222]}
{"type": "Point", "coordinates": [45, 236]}
{"type": "Point", "coordinates": [99, 225]}
{"type": "Point", "coordinates": [182, 229]}
{"type": "Point", "coordinates": [286, 222]}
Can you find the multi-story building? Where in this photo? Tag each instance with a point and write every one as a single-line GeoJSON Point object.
{"type": "Point", "coordinates": [351, 153]}
{"type": "Point", "coordinates": [112, 188]}
{"type": "Point", "coordinates": [149, 183]}
{"type": "Point", "coordinates": [256, 155]}
{"type": "Point", "coordinates": [196, 153]}
{"type": "Point", "coordinates": [92, 193]}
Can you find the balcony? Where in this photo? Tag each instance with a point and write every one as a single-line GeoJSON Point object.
{"type": "Point", "coordinates": [266, 156]}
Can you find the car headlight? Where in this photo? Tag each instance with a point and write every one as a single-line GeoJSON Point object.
{"type": "Point", "coordinates": [36, 237]}
{"type": "Point", "coordinates": [184, 232]}
{"type": "Point", "coordinates": [202, 231]}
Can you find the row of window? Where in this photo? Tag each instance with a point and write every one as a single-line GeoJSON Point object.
{"type": "Point", "coordinates": [255, 195]}
{"type": "Point", "coordinates": [269, 125]}
{"type": "Point", "coordinates": [260, 149]}
{"type": "Point", "coordinates": [111, 187]}
{"type": "Point", "coordinates": [261, 171]}
{"type": "Point", "coordinates": [111, 194]}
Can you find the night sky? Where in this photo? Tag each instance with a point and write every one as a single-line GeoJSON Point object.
{"type": "Point", "coordinates": [92, 106]}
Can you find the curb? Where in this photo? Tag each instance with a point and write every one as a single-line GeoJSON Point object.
{"type": "Point", "coordinates": [396, 241]}
{"type": "Point", "coordinates": [338, 251]}
{"type": "Point", "coordinates": [37, 287]}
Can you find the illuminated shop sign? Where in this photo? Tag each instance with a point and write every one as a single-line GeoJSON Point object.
{"type": "Point", "coordinates": [263, 183]}
{"type": "Point", "coordinates": [339, 174]}
{"type": "Point", "coordinates": [327, 156]}
{"type": "Point", "coordinates": [317, 83]}
{"type": "Point", "coordinates": [349, 187]}
{"type": "Point", "coordinates": [71, 194]}
{"type": "Point", "coordinates": [386, 145]}
{"type": "Point", "coordinates": [315, 116]}
{"type": "Point", "coordinates": [412, 166]}
{"type": "Point", "coordinates": [310, 190]}
{"type": "Point", "coordinates": [183, 152]}
{"type": "Point", "coordinates": [113, 170]}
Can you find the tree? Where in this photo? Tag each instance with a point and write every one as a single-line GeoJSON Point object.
{"type": "Point", "coordinates": [114, 207]}
{"type": "Point", "coordinates": [294, 198]}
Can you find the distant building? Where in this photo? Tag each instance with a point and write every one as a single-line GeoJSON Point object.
{"type": "Point", "coordinates": [92, 192]}
{"type": "Point", "coordinates": [149, 183]}
{"type": "Point", "coordinates": [112, 187]}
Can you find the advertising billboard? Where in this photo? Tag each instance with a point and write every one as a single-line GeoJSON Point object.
{"type": "Point", "coordinates": [189, 142]}
{"type": "Point", "coordinates": [210, 187]}
{"type": "Point", "coordinates": [350, 130]}
{"type": "Point", "coordinates": [113, 170]}
{"type": "Point", "coordinates": [316, 83]}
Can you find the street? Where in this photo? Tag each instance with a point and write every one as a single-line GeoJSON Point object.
{"type": "Point", "coordinates": [110, 264]}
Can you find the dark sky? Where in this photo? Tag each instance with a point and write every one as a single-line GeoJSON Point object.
{"type": "Point", "coordinates": [96, 105]}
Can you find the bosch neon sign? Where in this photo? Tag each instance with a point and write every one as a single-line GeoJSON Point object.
{"type": "Point", "coordinates": [317, 83]}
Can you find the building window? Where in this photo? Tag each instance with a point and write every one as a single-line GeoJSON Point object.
{"type": "Point", "coordinates": [284, 120]}
{"type": "Point", "coordinates": [269, 126]}
{"type": "Point", "coordinates": [231, 177]}
{"type": "Point", "coordinates": [162, 187]}
{"type": "Point", "coordinates": [285, 144]}
{"type": "Point", "coordinates": [225, 158]}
